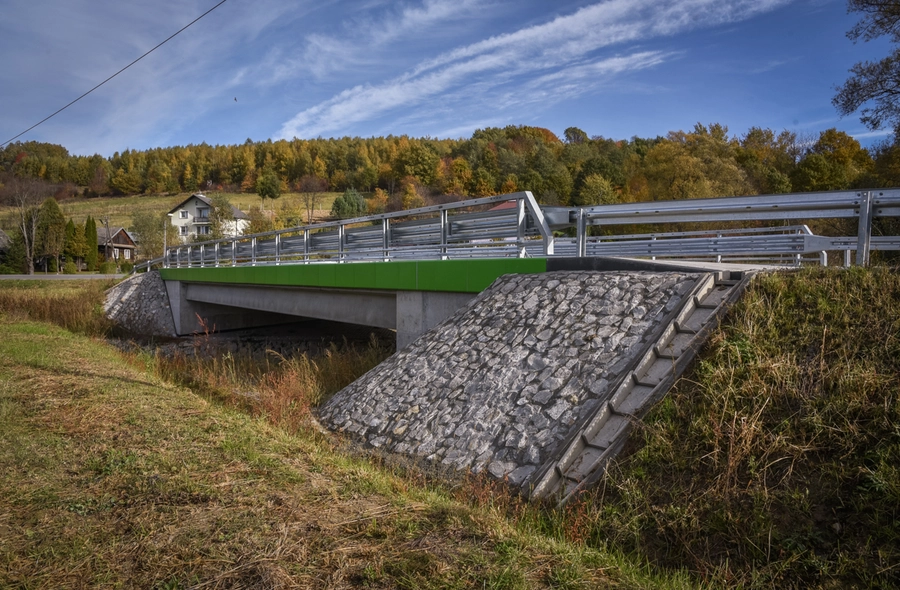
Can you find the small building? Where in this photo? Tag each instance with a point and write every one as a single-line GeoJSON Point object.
{"type": "Point", "coordinates": [191, 218]}
{"type": "Point", "coordinates": [118, 245]}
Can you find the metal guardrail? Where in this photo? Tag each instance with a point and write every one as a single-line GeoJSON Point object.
{"type": "Point", "coordinates": [459, 230]}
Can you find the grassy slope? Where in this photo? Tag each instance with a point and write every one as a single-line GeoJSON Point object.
{"type": "Point", "coordinates": [110, 477]}
{"type": "Point", "coordinates": [121, 210]}
{"type": "Point", "coordinates": [776, 462]}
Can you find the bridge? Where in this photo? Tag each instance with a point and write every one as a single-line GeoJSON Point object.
{"type": "Point", "coordinates": [410, 270]}
{"type": "Point", "coordinates": [529, 338]}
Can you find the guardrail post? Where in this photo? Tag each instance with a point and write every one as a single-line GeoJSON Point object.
{"type": "Point", "coordinates": [865, 229]}
{"type": "Point", "coordinates": [306, 246]}
{"type": "Point", "coordinates": [253, 251]}
{"type": "Point", "coordinates": [202, 255]}
{"type": "Point", "coordinates": [521, 226]}
{"type": "Point", "coordinates": [277, 249]}
{"type": "Point", "coordinates": [386, 239]}
{"type": "Point", "coordinates": [341, 235]}
{"type": "Point", "coordinates": [846, 258]}
{"type": "Point", "coordinates": [582, 233]}
{"type": "Point", "coordinates": [234, 244]}
{"type": "Point", "coordinates": [444, 229]}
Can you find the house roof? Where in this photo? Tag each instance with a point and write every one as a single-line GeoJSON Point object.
{"type": "Point", "coordinates": [237, 213]}
{"type": "Point", "coordinates": [113, 231]}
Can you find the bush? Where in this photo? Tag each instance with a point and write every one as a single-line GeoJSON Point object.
{"type": "Point", "coordinates": [350, 204]}
{"type": "Point", "coordinates": [126, 267]}
{"type": "Point", "coordinates": [70, 268]}
{"type": "Point", "coordinates": [108, 268]}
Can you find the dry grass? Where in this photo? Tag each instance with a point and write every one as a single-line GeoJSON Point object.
{"type": "Point", "coordinates": [71, 304]}
{"type": "Point", "coordinates": [111, 476]}
{"type": "Point", "coordinates": [775, 462]}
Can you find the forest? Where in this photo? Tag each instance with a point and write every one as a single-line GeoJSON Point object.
{"type": "Point", "coordinates": [575, 170]}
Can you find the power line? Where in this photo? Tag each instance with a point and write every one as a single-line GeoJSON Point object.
{"type": "Point", "coordinates": [172, 36]}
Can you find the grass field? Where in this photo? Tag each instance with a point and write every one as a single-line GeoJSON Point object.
{"type": "Point", "coordinates": [111, 476]}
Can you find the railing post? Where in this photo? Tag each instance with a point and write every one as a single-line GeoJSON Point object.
{"type": "Point", "coordinates": [521, 226]}
{"type": "Point", "coordinates": [306, 246]}
{"type": "Point", "coordinates": [202, 255]}
{"type": "Point", "coordinates": [718, 256]}
{"type": "Point", "coordinates": [190, 256]}
{"type": "Point", "coordinates": [341, 242]}
{"type": "Point", "coordinates": [847, 258]}
{"type": "Point", "coordinates": [865, 229]}
{"type": "Point", "coordinates": [234, 244]}
{"type": "Point", "coordinates": [253, 251]}
{"type": "Point", "coordinates": [581, 238]}
{"type": "Point", "coordinates": [277, 249]}
{"type": "Point", "coordinates": [386, 239]}
{"type": "Point", "coordinates": [444, 230]}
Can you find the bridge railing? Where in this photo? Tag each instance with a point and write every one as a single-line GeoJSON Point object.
{"type": "Point", "coordinates": [446, 231]}
{"type": "Point", "coordinates": [864, 206]}
{"type": "Point", "coordinates": [522, 228]}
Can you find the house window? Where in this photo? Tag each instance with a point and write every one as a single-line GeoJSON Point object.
{"type": "Point", "coordinates": [126, 254]}
{"type": "Point", "coordinates": [183, 230]}
{"type": "Point", "coordinates": [203, 230]}
{"type": "Point", "coordinates": [202, 213]}
{"type": "Point", "coordinates": [182, 214]}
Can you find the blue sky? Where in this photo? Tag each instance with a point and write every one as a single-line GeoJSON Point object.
{"type": "Point", "coordinates": [442, 68]}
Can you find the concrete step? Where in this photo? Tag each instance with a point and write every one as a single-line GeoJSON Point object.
{"type": "Point", "coordinates": [584, 457]}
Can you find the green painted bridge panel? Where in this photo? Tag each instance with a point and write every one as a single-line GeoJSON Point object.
{"type": "Point", "coordinates": [461, 276]}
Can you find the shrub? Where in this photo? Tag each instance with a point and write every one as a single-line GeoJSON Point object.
{"type": "Point", "coordinates": [108, 268]}
{"type": "Point", "coordinates": [126, 267]}
{"type": "Point", "coordinates": [70, 268]}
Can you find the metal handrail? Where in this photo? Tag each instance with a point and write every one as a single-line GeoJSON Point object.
{"type": "Point", "coordinates": [454, 231]}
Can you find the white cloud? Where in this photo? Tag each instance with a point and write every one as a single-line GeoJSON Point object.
{"type": "Point", "coordinates": [539, 57]}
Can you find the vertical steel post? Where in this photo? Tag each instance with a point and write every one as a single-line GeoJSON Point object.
{"type": "Point", "coordinates": [865, 229]}
{"type": "Point", "coordinates": [202, 255]}
{"type": "Point", "coordinates": [846, 258]}
{"type": "Point", "coordinates": [234, 246]}
{"type": "Point", "coordinates": [217, 253]}
{"type": "Point", "coordinates": [386, 239]}
{"type": "Point", "coordinates": [306, 246]}
{"type": "Point", "coordinates": [444, 230]}
{"type": "Point", "coordinates": [582, 233]}
{"type": "Point", "coordinates": [341, 243]}
{"type": "Point", "coordinates": [277, 249]}
{"type": "Point", "coordinates": [253, 251]}
{"type": "Point", "coordinates": [521, 227]}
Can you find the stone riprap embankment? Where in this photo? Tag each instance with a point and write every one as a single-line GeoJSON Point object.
{"type": "Point", "coordinates": [140, 305]}
{"type": "Point", "coordinates": [500, 384]}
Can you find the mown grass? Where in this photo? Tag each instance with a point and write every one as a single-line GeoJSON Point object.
{"type": "Point", "coordinates": [776, 462]}
{"type": "Point", "coordinates": [112, 476]}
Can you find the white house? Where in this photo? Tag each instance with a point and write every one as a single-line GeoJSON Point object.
{"type": "Point", "coordinates": [191, 218]}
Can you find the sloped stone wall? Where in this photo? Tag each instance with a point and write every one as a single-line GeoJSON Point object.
{"type": "Point", "coordinates": [140, 305]}
{"type": "Point", "coordinates": [497, 386]}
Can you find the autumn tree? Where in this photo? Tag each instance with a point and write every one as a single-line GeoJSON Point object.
{"type": "Point", "coordinates": [874, 86]}
{"type": "Point", "coordinates": [311, 188]}
{"type": "Point", "coordinates": [23, 195]}
{"type": "Point", "coordinates": [221, 217]}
